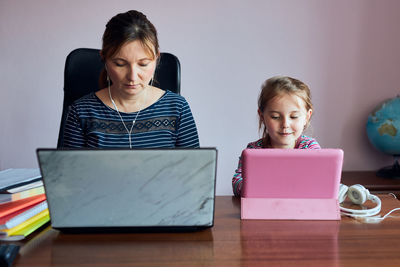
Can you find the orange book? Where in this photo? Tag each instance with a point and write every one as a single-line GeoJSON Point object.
{"type": "Point", "coordinates": [10, 207]}
{"type": "Point", "coordinates": [15, 218]}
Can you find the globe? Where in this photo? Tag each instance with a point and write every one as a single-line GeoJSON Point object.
{"type": "Point", "coordinates": [383, 130]}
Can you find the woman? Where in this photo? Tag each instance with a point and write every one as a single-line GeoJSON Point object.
{"type": "Point", "coordinates": [129, 111]}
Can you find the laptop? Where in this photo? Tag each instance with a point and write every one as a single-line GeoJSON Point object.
{"type": "Point", "coordinates": [120, 190]}
{"type": "Point", "coordinates": [291, 184]}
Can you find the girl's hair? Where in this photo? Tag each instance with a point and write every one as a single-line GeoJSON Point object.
{"type": "Point", "coordinates": [277, 86]}
{"type": "Point", "coordinates": [127, 27]}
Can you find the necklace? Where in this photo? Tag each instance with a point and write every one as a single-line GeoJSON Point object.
{"type": "Point", "coordinates": [123, 123]}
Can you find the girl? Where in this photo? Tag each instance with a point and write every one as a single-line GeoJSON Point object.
{"type": "Point", "coordinates": [284, 109]}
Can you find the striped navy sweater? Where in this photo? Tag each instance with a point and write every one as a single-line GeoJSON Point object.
{"type": "Point", "coordinates": [167, 123]}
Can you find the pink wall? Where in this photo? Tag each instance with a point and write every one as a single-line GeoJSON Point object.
{"type": "Point", "coordinates": [347, 51]}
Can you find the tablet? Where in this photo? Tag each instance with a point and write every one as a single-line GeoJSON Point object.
{"type": "Point", "coordinates": [291, 183]}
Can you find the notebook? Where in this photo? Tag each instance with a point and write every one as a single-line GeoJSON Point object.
{"type": "Point", "coordinates": [290, 184]}
{"type": "Point", "coordinates": [120, 190]}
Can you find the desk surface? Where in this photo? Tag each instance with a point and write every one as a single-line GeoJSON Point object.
{"type": "Point", "coordinates": [371, 181]}
{"type": "Point", "coordinates": [230, 242]}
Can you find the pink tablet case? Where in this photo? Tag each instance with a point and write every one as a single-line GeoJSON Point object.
{"type": "Point", "coordinates": [291, 184]}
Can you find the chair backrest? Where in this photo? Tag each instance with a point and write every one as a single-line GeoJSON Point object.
{"type": "Point", "coordinates": [82, 71]}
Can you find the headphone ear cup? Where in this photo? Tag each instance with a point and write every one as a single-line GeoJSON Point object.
{"type": "Point", "coordinates": [358, 194]}
{"type": "Point", "coordinates": [342, 192]}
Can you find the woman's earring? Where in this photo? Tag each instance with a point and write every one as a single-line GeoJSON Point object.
{"type": "Point", "coordinates": [108, 81]}
{"type": "Point", "coordinates": [152, 78]}
{"type": "Point", "coordinates": [108, 77]}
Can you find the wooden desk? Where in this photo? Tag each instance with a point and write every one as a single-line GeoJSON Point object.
{"type": "Point", "coordinates": [231, 242]}
{"type": "Point", "coordinates": [372, 182]}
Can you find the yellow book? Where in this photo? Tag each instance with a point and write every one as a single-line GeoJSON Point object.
{"type": "Point", "coordinates": [24, 229]}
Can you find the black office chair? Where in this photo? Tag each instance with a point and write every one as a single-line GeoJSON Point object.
{"type": "Point", "coordinates": [82, 71]}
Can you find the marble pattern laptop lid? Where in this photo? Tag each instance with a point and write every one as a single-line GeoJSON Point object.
{"type": "Point", "coordinates": [129, 188]}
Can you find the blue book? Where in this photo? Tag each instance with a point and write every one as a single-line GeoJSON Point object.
{"type": "Point", "coordinates": [11, 178]}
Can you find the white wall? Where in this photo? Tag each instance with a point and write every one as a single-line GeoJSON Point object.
{"type": "Point", "coordinates": [346, 51]}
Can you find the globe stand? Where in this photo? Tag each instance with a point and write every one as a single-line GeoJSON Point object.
{"type": "Point", "coordinates": [392, 172]}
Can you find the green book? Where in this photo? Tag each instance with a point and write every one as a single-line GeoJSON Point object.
{"type": "Point", "coordinates": [27, 227]}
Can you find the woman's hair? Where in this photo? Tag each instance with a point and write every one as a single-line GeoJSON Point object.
{"type": "Point", "coordinates": [127, 27]}
{"type": "Point", "coordinates": [277, 86]}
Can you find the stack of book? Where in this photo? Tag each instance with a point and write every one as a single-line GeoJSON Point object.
{"type": "Point", "coordinates": [23, 205]}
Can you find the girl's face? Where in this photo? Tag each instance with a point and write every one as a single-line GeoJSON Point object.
{"type": "Point", "coordinates": [131, 68]}
{"type": "Point", "coordinates": [285, 118]}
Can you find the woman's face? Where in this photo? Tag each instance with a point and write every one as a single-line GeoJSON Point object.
{"type": "Point", "coordinates": [285, 118]}
{"type": "Point", "coordinates": [131, 68]}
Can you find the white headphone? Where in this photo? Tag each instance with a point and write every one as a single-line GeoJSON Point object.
{"type": "Point", "coordinates": [358, 194]}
